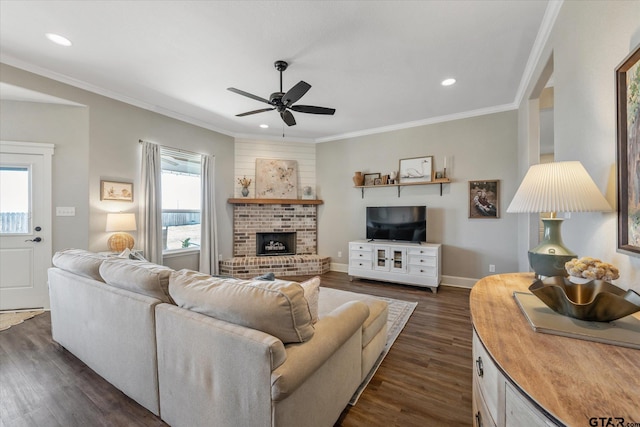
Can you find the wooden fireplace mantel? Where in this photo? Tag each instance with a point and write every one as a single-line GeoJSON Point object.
{"type": "Point", "coordinates": [250, 201]}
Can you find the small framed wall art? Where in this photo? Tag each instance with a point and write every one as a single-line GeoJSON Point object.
{"type": "Point", "coordinates": [119, 191]}
{"type": "Point", "coordinates": [484, 198]}
{"type": "Point", "coordinates": [370, 178]}
{"type": "Point", "coordinates": [416, 170]}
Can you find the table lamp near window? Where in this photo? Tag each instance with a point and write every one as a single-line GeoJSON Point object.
{"type": "Point", "coordinates": [120, 222]}
{"type": "Point", "coordinates": [556, 187]}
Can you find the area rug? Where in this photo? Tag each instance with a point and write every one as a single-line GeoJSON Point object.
{"type": "Point", "coordinates": [399, 314]}
{"type": "Point", "coordinates": [12, 318]}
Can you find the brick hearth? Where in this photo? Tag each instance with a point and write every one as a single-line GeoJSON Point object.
{"type": "Point", "coordinates": [250, 217]}
{"type": "Point", "coordinates": [287, 265]}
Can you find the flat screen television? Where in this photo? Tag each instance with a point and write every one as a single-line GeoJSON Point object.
{"type": "Point", "coordinates": [402, 223]}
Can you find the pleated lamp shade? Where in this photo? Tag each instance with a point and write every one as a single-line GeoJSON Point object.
{"type": "Point", "coordinates": [556, 187]}
{"type": "Point", "coordinates": [120, 222]}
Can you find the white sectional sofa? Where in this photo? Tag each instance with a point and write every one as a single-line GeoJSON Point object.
{"type": "Point", "coordinates": [201, 350]}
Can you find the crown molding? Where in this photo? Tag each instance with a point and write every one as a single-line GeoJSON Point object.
{"type": "Point", "coordinates": [430, 121]}
{"type": "Point", "coordinates": [548, 20]}
{"type": "Point", "coordinates": [80, 84]}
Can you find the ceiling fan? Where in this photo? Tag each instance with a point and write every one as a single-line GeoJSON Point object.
{"type": "Point", "coordinates": [283, 102]}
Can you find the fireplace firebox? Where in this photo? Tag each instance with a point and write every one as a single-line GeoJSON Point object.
{"type": "Point", "coordinates": [275, 243]}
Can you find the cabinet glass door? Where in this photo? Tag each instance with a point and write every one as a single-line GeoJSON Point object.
{"type": "Point", "coordinates": [398, 258]}
{"type": "Point", "coordinates": [382, 259]}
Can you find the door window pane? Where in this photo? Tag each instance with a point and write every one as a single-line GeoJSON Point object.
{"type": "Point", "coordinates": [14, 200]}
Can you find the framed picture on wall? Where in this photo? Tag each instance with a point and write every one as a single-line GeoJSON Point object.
{"type": "Point", "coordinates": [628, 148]}
{"type": "Point", "coordinates": [370, 178]}
{"type": "Point", "coordinates": [484, 199]}
{"type": "Point", "coordinates": [119, 191]}
{"type": "Point", "coordinates": [416, 170]}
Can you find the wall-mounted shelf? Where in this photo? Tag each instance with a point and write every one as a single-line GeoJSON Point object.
{"type": "Point", "coordinates": [251, 201]}
{"type": "Point", "coordinates": [440, 181]}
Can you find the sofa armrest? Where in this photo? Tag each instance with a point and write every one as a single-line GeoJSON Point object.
{"type": "Point", "coordinates": [331, 332]}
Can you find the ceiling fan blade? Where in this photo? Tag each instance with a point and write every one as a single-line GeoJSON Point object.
{"type": "Point", "coordinates": [248, 95]}
{"type": "Point", "coordinates": [262, 110]}
{"type": "Point", "coordinates": [312, 109]}
{"type": "Point", "coordinates": [287, 117]}
{"type": "Point", "coordinates": [295, 93]}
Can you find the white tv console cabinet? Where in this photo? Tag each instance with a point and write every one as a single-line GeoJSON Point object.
{"type": "Point", "coordinates": [416, 264]}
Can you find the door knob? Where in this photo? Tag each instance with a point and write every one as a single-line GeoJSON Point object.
{"type": "Point", "coordinates": [37, 239]}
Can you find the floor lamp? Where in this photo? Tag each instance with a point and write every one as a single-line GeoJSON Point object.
{"type": "Point", "coordinates": [556, 187]}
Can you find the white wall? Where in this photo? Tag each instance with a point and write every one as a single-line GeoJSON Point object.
{"type": "Point", "coordinates": [247, 151]}
{"type": "Point", "coordinates": [101, 142]}
{"type": "Point", "coordinates": [480, 148]}
{"type": "Point", "coordinates": [68, 128]}
{"type": "Point", "coordinates": [588, 41]}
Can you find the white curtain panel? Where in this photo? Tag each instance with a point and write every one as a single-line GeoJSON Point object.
{"type": "Point", "coordinates": [208, 225]}
{"type": "Point", "coordinates": [150, 233]}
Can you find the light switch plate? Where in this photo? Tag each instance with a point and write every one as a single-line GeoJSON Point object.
{"type": "Point", "coordinates": [65, 211]}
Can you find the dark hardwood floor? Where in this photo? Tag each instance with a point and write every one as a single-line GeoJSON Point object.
{"type": "Point", "coordinates": [425, 380]}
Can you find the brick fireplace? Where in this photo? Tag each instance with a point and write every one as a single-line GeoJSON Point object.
{"type": "Point", "coordinates": [268, 216]}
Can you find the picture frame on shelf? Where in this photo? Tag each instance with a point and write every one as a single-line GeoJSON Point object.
{"type": "Point", "coordinates": [369, 178]}
{"type": "Point", "coordinates": [628, 152]}
{"type": "Point", "coordinates": [117, 191]}
{"type": "Point", "coordinates": [416, 170]}
{"type": "Point", "coordinates": [377, 181]}
{"type": "Point", "coordinates": [484, 199]}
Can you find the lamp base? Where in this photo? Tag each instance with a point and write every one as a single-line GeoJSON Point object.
{"type": "Point", "coordinates": [549, 265]}
{"type": "Point", "coordinates": [120, 241]}
{"type": "Point", "coordinates": [549, 257]}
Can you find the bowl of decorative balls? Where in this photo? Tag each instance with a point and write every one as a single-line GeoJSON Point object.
{"type": "Point", "coordinates": [587, 294]}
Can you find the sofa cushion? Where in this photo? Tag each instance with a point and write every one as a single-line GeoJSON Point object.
{"type": "Point", "coordinates": [378, 310]}
{"type": "Point", "coordinates": [142, 277]}
{"type": "Point", "coordinates": [80, 262]}
{"type": "Point", "coordinates": [277, 308]}
{"type": "Point", "coordinates": [311, 289]}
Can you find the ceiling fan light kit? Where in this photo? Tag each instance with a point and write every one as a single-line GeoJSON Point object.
{"type": "Point", "coordinates": [283, 101]}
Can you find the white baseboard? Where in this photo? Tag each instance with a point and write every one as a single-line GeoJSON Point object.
{"type": "Point", "coordinates": [341, 268]}
{"type": "Point", "coordinates": [459, 282]}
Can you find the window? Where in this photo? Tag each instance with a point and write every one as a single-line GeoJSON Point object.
{"type": "Point", "coordinates": [14, 200]}
{"type": "Point", "coordinates": [180, 199]}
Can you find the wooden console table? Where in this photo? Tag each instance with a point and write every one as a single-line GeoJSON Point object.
{"type": "Point", "coordinates": [562, 381]}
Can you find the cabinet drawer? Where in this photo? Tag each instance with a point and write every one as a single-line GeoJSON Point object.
{"type": "Point", "coordinates": [422, 270]}
{"type": "Point", "coordinates": [426, 261]}
{"type": "Point", "coordinates": [360, 247]}
{"type": "Point", "coordinates": [360, 255]}
{"type": "Point", "coordinates": [423, 250]}
{"type": "Point", "coordinates": [360, 264]}
{"type": "Point", "coordinates": [487, 376]}
{"type": "Point", "coordinates": [519, 412]}
{"type": "Point", "coordinates": [481, 414]}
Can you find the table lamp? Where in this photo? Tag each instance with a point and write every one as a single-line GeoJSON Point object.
{"type": "Point", "coordinates": [556, 187]}
{"type": "Point", "coordinates": [120, 222]}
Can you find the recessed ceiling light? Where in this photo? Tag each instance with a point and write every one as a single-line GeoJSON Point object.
{"type": "Point", "coordinates": [263, 126]}
{"type": "Point", "coordinates": [448, 82]}
{"type": "Point", "coordinates": [58, 39]}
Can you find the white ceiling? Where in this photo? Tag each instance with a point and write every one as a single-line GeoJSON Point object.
{"type": "Point", "coordinates": [378, 63]}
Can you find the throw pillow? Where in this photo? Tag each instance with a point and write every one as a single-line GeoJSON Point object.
{"type": "Point", "coordinates": [311, 289]}
{"type": "Point", "coordinates": [266, 276]}
{"type": "Point", "coordinates": [277, 308]}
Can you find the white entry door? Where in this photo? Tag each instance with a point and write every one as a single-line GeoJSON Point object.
{"type": "Point", "coordinates": [25, 224]}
